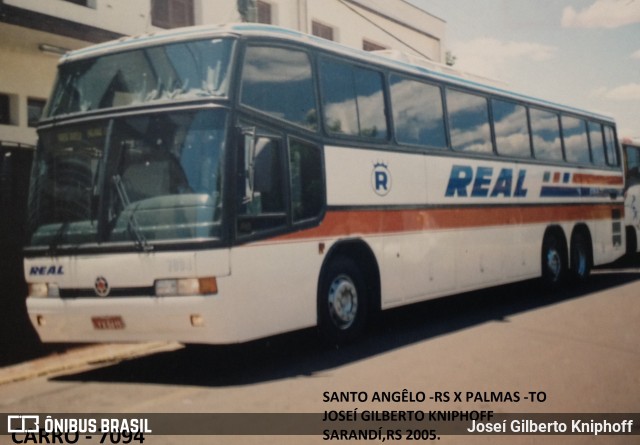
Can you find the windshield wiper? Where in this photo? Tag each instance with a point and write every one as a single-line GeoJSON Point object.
{"type": "Point", "coordinates": [58, 237]}
{"type": "Point", "coordinates": [133, 227]}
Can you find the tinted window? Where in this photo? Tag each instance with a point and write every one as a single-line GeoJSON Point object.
{"type": "Point", "coordinates": [633, 166]}
{"type": "Point", "coordinates": [468, 122]}
{"type": "Point", "coordinates": [546, 135]}
{"type": "Point", "coordinates": [161, 173]}
{"type": "Point", "coordinates": [180, 71]}
{"type": "Point", "coordinates": [417, 113]}
{"type": "Point", "coordinates": [34, 111]}
{"type": "Point", "coordinates": [353, 100]}
{"type": "Point", "coordinates": [262, 187]}
{"type": "Point", "coordinates": [597, 144]}
{"type": "Point", "coordinates": [576, 144]}
{"type": "Point", "coordinates": [278, 82]}
{"type": "Point", "coordinates": [307, 190]}
{"type": "Point", "coordinates": [612, 152]}
{"type": "Point", "coordinates": [511, 129]}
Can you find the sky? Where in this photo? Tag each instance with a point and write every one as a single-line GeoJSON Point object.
{"type": "Point", "coordinates": [582, 53]}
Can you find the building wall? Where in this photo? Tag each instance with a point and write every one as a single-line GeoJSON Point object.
{"type": "Point", "coordinates": [355, 23]}
{"type": "Point", "coordinates": [124, 17]}
{"type": "Point", "coordinates": [393, 24]}
{"type": "Point", "coordinates": [27, 73]}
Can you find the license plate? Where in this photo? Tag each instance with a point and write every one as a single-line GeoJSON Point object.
{"type": "Point", "coordinates": [112, 322]}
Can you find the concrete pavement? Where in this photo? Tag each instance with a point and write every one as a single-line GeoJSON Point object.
{"type": "Point", "coordinates": [80, 358]}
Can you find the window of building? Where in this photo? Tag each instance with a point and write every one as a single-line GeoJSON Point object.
{"type": "Point", "coordinates": [264, 12]}
{"type": "Point", "coordinates": [279, 82]}
{"type": "Point", "coordinates": [353, 100]}
{"type": "Point", "coordinates": [545, 131]}
{"type": "Point", "coordinates": [320, 30]}
{"type": "Point", "coordinates": [469, 122]}
{"type": "Point", "coordinates": [8, 109]}
{"type": "Point", "coordinates": [172, 13]}
{"type": "Point", "coordinates": [35, 108]}
{"type": "Point", "coordinates": [417, 113]}
{"type": "Point", "coordinates": [368, 45]}
{"type": "Point", "coordinates": [511, 129]}
{"type": "Point", "coordinates": [5, 109]}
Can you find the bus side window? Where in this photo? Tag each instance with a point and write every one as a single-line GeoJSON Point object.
{"type": "Point", "coordinates": [279, 82]}
{"type": "Point", "coordinates": [546, 135]}
{"type": "Point", "coordinates": [511, 129]}
{"type": "Point", "coordinates": [611, 149]}
{"type": "Point", "coordinates": [353, 100]}
{"type": "Point", "coordinates": [597, 144]}
{"type": "Point", "coordinates": [417, 113]}
{"type": "Point", "coordinates": [633, 166]}
{"type": "Point", "coordinates": [262, 194]}
{"type": "Point", "coordinates": [307, 188]}
{"type": "Point", "coordinates": [576, 144]}
{"type": "Point", "coordinates": [469, 122]}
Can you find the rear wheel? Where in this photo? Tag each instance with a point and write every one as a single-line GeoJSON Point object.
{"type": "Point", "coordinates": [342, 301]}
{"type": "Point", "coordinates": [554, 263]}
{"type": "Point", "coordinates": [581, 260]}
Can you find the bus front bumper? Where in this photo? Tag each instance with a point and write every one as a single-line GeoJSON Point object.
{"type": "Point", "coordinates": [187, 319]}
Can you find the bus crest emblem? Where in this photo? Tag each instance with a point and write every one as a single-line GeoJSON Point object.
{"type": "Point", "coordinates": [381, 179]}
{"type": "Point", "coordinates": [101, 286]}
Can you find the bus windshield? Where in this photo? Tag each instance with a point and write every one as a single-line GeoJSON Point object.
{"type": "Point", "coordinates": [188, 70]}
{"type": "Point", "coordinates": [135, 179]}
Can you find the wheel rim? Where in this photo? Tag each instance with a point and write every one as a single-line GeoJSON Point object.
{"type": "Point", "coordinates": [554, 264]}
{"type": "Point", "coordinates": [343, 302]}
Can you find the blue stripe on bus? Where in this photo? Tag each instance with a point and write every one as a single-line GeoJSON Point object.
{"type": "Point", "coordinates": [576, 192]}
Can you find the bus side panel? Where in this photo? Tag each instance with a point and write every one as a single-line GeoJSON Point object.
{"type": "Point", "coordinates": [437, 263]}
{"type": "Point", "coordinates": [465, 223]}
{"type": "Point", "coordinates": [632, 212]}
{"type": "Point", "coordinates": [274, 286]}
{"type": "Point", "coordinates": [632, 196]}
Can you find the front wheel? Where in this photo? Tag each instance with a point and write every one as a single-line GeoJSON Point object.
{"type": "Point", "coordinates": [342, 301]}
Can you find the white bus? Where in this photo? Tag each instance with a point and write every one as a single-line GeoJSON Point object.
{"type": "Point", "coordinates": [221, 184]}
{"type": "Point", "coordinates": [632, 196]}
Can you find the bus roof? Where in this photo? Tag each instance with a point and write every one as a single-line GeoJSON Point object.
{"type": "Point", "coordinates": [273, 32]}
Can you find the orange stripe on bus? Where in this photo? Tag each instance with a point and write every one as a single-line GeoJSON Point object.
{"type": "Point", "coordinates": [368, 222]}
{"type": "Point", "coordinates": [581, 178]}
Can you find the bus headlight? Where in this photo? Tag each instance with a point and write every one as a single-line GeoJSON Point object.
{"type": "Point", "coordinates": [43, 290]}
{"type": "Point", "coordinates": [186, 286]}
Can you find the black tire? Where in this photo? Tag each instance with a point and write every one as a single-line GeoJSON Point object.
{"type": "Point", "coordinates": [632, 242]}
{"type": "Point", "coordinates": [581, 259]}
{"type": "Point", "coordinates": [343, 301]}
{"type": "Point", "coordinates": [554, 262]}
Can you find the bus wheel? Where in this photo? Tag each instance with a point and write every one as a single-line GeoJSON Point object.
{"type": "Point", "coordinates": [342, 301]}
{"type": "Point", "coordinates": [553, 261]}
{"type": "Point", "coordinates": [580, 257]}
